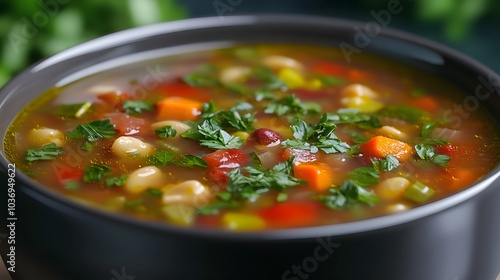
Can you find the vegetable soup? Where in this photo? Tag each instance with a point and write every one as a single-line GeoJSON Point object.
{"type": "Point", "coordinates": [255, 137]}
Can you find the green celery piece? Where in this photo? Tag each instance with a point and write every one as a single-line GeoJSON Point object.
{"type": "Point", "coordinates": [418, 192]}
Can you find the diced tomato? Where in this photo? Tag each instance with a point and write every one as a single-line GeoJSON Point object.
{"type": "Point", "coordinates": [222, 161]}
{"type": "Point", "coordinates": [449, 150]}
{"type": "Point", "coordinates": [128, 125]}
{"type": "Point", "coordinates": [184, 91]}
{"type": "Point", "coordinates": [114, 99]}
{"type": "Point", "coordinates": [66, 173]}
{"type": "Point", "coordinates": [330, 69]}
{"type": "Point", "coordinates": [291, 214]}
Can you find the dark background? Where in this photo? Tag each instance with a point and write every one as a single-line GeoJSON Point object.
{"type": "Point", "coordinates": [33, 29]}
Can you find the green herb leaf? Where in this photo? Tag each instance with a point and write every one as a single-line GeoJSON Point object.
{"type": "Point", "coordinates": [154, 192]}
{"type": "Point", "coordinates": [95, 172]}
{"type": "Point", "coordinates": [135, 107]}
{"type": "Point", "coordinates": [292, 105]}
{"type": "Point", "coordinates": [347, 195]}
{"type": "Point", "coordinates": [200, 80]}
{"type": "Point", "coordinates": [427, 129]}
{"type": "Point", "coordinates": [93, 131]}
{"type": "Point", "coordinates": [166, 132]}
{"type": "Point", "coordinates": [191, 161]}
{"type": "Point", "coordinates": [215, 207]}
{"type": "Point", "coordinates": [329, 81]}
{"type": "Point", "coordinates": [281, 197]}
{"type": "Point", "coordinates": [268, 77]}
{"type": "Point", "coordinates": [387, 164]}
{"type": "Point", "coordinates": [403, 112]}
{"type": "Point", "coordinates": [316, 137]}
{"type": "Point", "coordinates": [161, 157]}
{"type": "Point", "coordinates": [355, 117]}
{"type": "Point", "coordinates": [263, 94]}
{"type": "Point", "coordinates": [133, 203]}
{"type": "Point", "coordinates": [46, 152]}
{"type": "Point", "coordinates": [116, 181]}
{"type": "Point", "coordinates": [72, 110]}
{"type": "Point", "coordinates": [427, 152]}
{"type": "Point", "coordinates": [364, 176]}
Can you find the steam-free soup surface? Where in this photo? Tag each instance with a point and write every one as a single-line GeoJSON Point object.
{"type": "Point", "coordinates": [255, 137]}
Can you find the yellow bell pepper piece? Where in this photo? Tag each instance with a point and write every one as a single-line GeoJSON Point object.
{"type": "Point", "coordinates": [364, 104]}
{"type": "Point", "coordinates": [242, 221]}
{"type": "Point", "coordinates": [314, 84]}
{"type": "Point", "coordinates": [292, 78]}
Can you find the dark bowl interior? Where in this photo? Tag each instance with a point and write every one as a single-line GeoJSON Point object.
{"type": "Point", "coordinates": [120, 48]}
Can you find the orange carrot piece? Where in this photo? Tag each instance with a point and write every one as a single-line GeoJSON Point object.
{"type": "Point", "coordinates": [458, 178]}
{"type": "Point", "coordinates": [426, 103]}
{"type": "Point", "coordinates": [319, 176]}
{"type": "Point", "coordinates": [177, 108]}
{"type": "Point", "coordinates": [380, 146]}
{"type": "Point", "coordinates": [291, 214]}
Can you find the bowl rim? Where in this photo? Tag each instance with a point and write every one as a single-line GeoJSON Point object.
{"type": "Point", "coordinates": [61, 203]}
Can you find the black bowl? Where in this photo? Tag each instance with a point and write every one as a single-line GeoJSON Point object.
{"type": "Point", "coordinates": [457, 237]}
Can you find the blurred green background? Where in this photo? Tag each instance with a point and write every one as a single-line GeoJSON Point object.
{"type": "Point", "coordinates": [34, 29]}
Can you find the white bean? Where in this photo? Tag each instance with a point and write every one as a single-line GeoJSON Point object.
{"type": "Point", "coordinates": [180, 127]}
{"type": "Point", "coordinates": [234, 74]}
{"type": "Point", "coordinates": [43, 136]}
{"type": "Point", "coordinates": [392, 132]}
{"type": "Point", "coordinates": [100, 89]}
{"type": "Point", "coordinates": [392, 188]}
{"type": "Point", "coordinates": [143, 179]}
{"type": "Point", "coordinates": [279, 61]}
{"type": "Point", "coordinates": [128, 147]}
{"type": "Point", "coordinates": [359, 90]}
{"type": "Point", "coordinates": [189, 192]}
{"type": "Point", "coordinates": [396, 208]}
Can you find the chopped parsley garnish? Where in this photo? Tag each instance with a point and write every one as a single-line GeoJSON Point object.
{"type": "Point", "coordinates": [133, 203]}
{"type": "Point", "coordinates": [329, 81]}
{"type": "Point", "coordinates": [364, 176]}
{"type": "Point", "coordinates": [267, 76]}
{"type": "Point", "coordinates": [191, 161]}
{"type": "Point", "coordinates": [154, 192]}
{"type": "Point", "coordinates": [247, 183]}
{"type": "Point", "coordinates": [135, 107]}
{"type": "Point", "coordinates": [200, 80]}
{"type": "Point", "coordinates": [214, 208]}
{"type": "Point", "coordinates": [263, 94]}
{"type": "Point", "coordinates": [347, 195]}
{"type": "Point", "coordinates": [164, 157]}
{"type": "Point", "coordinates": [427, 152]}
{"type": "Point", "coordinates": [405, 113]}
{"type": "Point", "coordinates": [424, 135]}
{"type": "Point", "coordinates": [281, 197]}
{"type": "Point", "coordinates": [166, 132]}
{"type": "Point", "coordinates": [92, 131]}
{"type": "Point", "coordinates": [115, 181]}
{"type": "Point", "coordinates": [316, 137]}
{"type": "Point", "coordinates": [211, 134]}
{"type": "Point", "coordinates": [161, 157]}
{"type": "Point", "coordinates": [46, 152]}
{"type": "Point", "coordinates": [427, 129]}
{"type": "Point", "coordinates": [72, 110]}
{"type": "Point", "coordinates": [291, 105]}
{"type": "Point", "coordinates": [95, 172]}
{"type": "Point", "coordinates": [387, 164]}
{"type": "Point", "coordinates": [355, 117]}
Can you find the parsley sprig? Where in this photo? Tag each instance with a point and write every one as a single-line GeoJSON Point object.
{"type": "Point", "coordinates": [291, 105]}
{"type": "Point", "coordinates": [211, 132]}
{"type": "Point", "coordinates": [427, 152]}
{"type": "Point", "coordinates": [316, 137]}
{"type": "Point", "coordinates": [247, 183]}
{"type": "Point", "coordinates": [46, 152]}
{"type": "Point", "coordinates": [353, 191]}
{"type": "Point", "coordinates": [135, 107]}
{"type": "Point", "coordinates": [355, 117]}
{"type": "Point", "coordinates": [92, 131]}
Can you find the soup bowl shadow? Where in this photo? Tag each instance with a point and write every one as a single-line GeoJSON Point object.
{"type": "Point", "coordinates": [457, 237]}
